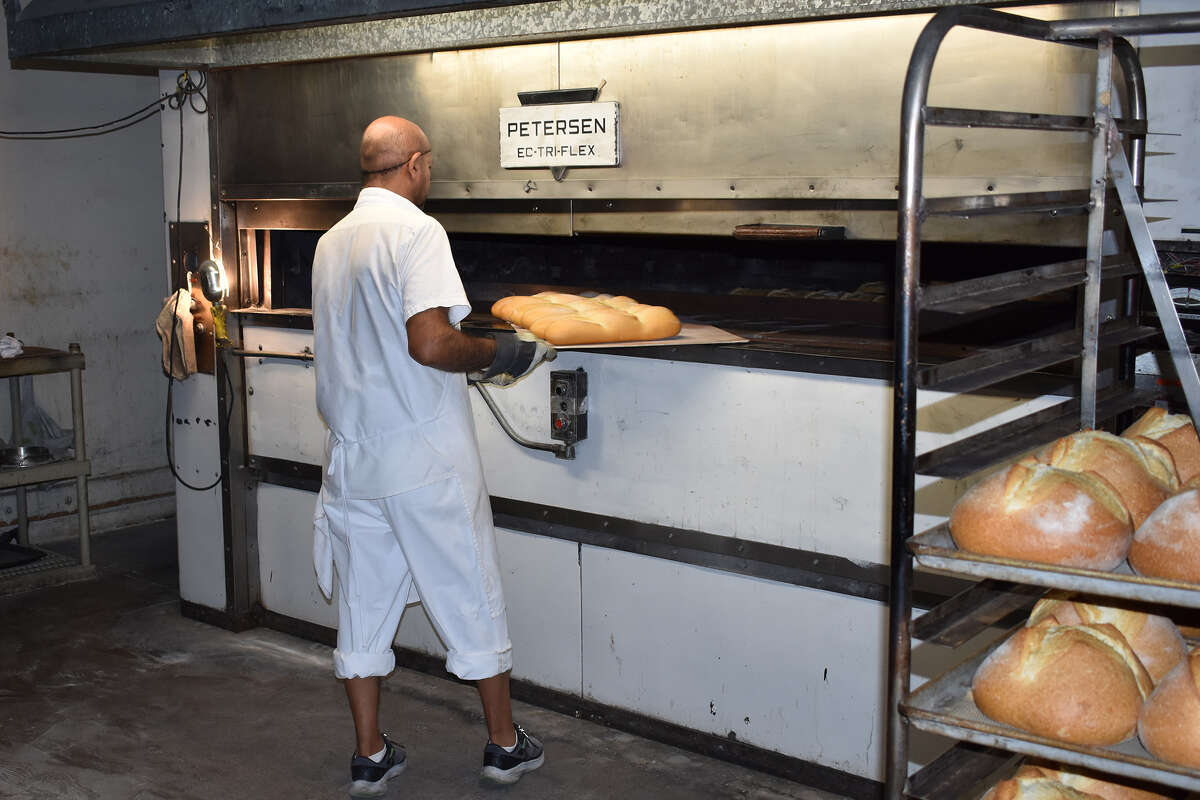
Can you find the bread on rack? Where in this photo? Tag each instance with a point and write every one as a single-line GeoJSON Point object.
{"type": "Point", "coordinates": [1169, 725]}
{"type": "Point", "coordinates": [1141, 470]}
{"type": "Point", "coordinates": [1036, 788]}
{"type": "Point", "coordinates": [1078, 683]}
{"type": "Point", "coordinates": [1167, 544]}
{"type": "Point", "coordinates": [1091, 786]}
{"type": "Point", "coordinates": [1154, 639]}
{"type": "Point", "coordinates": [1176, 432]}
{"type": "Point", "coordinates": [1040, 513]}
{"type": "Point", "coordinates": [570, 319]}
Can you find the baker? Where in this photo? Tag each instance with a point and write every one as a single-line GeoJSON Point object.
{"type": "Point", "coordinates": [403, 514]}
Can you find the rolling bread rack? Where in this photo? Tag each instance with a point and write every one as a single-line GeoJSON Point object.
{"type": "Point", "coordinates": [1113, 202]}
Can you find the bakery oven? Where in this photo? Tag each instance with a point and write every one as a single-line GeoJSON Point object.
{"type": "Point", "coordinates": [729, 504]}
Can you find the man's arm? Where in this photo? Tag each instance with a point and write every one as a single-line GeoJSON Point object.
{"type": "Point", "coordinates": [434, 342]}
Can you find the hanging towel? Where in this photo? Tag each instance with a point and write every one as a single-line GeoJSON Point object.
{"type": "Point", "coordinates": [10, 347]}
{"type": "Point", "coordinates": [177, 308]}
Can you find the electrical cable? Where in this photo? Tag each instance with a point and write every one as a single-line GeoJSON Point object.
{"type": "Point", "coordinates": [186, 91]}
{"type": "Point", "coordinates": [185, 88]}
{"type": "Point", "coordinates": [91, 127]}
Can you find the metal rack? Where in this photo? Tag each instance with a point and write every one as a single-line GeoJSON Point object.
{"type": "Point", "coordinates": [943, 705]}
{"type": "Point", "coordinates": [53, 567]}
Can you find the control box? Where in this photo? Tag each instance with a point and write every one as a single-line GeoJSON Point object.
{"type": "Point", "coordinates": [568, 405]}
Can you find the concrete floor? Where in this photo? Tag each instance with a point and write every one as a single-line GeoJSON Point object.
{"type": "Point", "coordinates": [107, 692]}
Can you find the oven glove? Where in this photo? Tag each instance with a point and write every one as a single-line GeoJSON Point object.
{"type": "Point", "coordinates": [517, 355]}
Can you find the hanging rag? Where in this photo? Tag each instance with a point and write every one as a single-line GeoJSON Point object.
{"type": "Point", "coordinates": [10, 347]}
{"type": "Point", "coordinates": [177, 309]}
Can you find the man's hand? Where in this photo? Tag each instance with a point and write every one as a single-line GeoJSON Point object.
{"type": "Point", "coordinates": [517, 355]}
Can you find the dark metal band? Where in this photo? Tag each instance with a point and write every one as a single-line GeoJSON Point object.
{"type": "Point", "coordinates": [798, 567]}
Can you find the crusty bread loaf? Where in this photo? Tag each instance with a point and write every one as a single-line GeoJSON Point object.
{"type": "Point", "coordinates": [1176, 432]}
{"type": "Point", "coordinates": [1103, 789]}
{"type": "Point", "coordinates": [1035, 788]}
{"type": "Point", "coordinates": [1142, 471]}
{"type": "Point", "coordinates": [569, 319]}
{"type": "Point", "coordinates": [1039, 513]}
{"type": "Point", "coordinates": [1169, 725]}
{"type": "Point", "coordinates": [1154, 639]}
{"type": "Point", "coordinates": [1167, 544]}
{"type": "Point", "coordinates": [1079, 683]}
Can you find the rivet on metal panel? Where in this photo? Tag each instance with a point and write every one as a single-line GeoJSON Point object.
{"type": "Point", "coordinates": [732, 188]}
{"type": "Point", "coordinates": [530, 186]}
{"type": "Point", "coordinates": [589, 188]}
{"type": "Point", "coordinates": [658, 188]}
{"type": "Point", "coordinates": [812, 187]}
{"type": "Point", "coordinates": [250, 390]}
{"type": "Point", "coordinates": [991, 187]}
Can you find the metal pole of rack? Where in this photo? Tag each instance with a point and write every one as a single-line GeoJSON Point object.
{"type": "Point", "coordinates": [904, 408]}
{"type": "Point", "coordinates": [1135, 99]}
{"type": "Point", "coordinates": [81, 488]}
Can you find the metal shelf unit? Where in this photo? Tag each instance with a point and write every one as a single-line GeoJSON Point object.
{"type": "Point", "coordinates": [44, 361]}
{"type": "Point", "coordinates": [1010, 587]}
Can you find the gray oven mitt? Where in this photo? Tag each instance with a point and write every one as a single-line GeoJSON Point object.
{"type": "Point", "coordinates": [517, 355]}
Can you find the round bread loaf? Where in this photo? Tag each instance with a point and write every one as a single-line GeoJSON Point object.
{"type": "Point", "coordinates": [1167, 544]}
{"type": "Point", "coordinates": [1038, 513]}
{"type": "Point", "coordinates": [1169, 725]}
{"type": "Point", "coordinates": [568, 319]}
{"type": "Point", "coordinates": [1077, 683]}
{"type": "Point", "coordinates": [1154, 639]}
{"type": "Point", "coordinates": [1142, 471]}
{"type": "Point", "coordinates": [1176, 432]}
{"type": "Point", "coordinates": [1035, 788]}
{"type": "Point", "coordinates": [1105, 790]}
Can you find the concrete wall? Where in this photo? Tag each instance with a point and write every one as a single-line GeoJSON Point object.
{"type": "Point", "coordinates": [1172, 65]}
{"type": "Point", "coordinates": [81, 260]}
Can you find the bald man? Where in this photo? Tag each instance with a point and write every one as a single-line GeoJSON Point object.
{"type": "Point", "coordinates": [403, 515]}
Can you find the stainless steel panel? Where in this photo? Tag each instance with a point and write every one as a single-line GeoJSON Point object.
{"type": "Point", "coordinates": [302, 123]}
{"type": "Point", "coordinates": [935, 549]}
{"type": "Point", "coordinates": [776, 108]}
{"type": "Point", "coordinates": [822, 99]}
{"type": "Point", "coordinates": [490, 26]}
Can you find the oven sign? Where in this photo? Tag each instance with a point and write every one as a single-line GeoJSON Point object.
{"type": "Point", "coordinates": [560, 135]}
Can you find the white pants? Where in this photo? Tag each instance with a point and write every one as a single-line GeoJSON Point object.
{"type": "Point", "coordinates": [435, 544]}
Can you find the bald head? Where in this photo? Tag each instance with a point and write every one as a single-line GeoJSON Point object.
{"type": "Point", "coordinates": [390, 142]}
{"type": "Point", "coordinates": [395, 155]}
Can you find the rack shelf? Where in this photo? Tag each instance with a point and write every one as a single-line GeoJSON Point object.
{"type": "Point", "coordinates": [934, 549]}
{"type": "Point", "coordinates": [944, 706]}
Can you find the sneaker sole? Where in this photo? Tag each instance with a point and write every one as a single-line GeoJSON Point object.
{"type": "Point", "coordinates": [507, 776]}
{"type": "Point", "coordinates": [376, 788]}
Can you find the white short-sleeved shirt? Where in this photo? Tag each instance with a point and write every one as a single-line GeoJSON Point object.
{"type": "Point", "coordinates": [394, 424]}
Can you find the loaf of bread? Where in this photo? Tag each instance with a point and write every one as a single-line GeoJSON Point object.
{"type": "Point", "coordinates": [1167, 544]}
{"type": "Point", "coordinates": [1090, 786]}
{"type": "Point", "coordinates": [569, 319]}
{"type": "Point", "coordinates": [1039, 513]}
{"type": "Point", "coordinates": [1169, 726]}
{"type": "Point", "coordinates": [1036, 788]}
{"type": "Point", "coordinates": [1154, 639]}
{"type": "Point", "coordinates": [1176, 432]}
{"type": "Point", "coordinates": [1142, 471]}
{"type": "Point", "coordinates": [1078, 683]}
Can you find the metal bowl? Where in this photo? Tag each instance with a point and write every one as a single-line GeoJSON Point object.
{"type": "Point", "coordinates": [23, 456]}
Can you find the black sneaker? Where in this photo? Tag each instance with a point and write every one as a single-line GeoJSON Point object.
{"type": "Point", "coordinates": [368, 779]}
{"type": "Point", "coordinates": [501, 766]}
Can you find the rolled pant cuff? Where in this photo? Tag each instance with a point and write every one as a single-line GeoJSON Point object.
{"type": "Point", "coordinates": [363, 665]}
{"type": "Point", "coordinates": [477, 666]}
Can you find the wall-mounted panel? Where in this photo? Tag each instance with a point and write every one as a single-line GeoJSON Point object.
{"type": "Point", "coordinates": [794, 670]}
{"type": "Point", "coordinates": [281, 402]}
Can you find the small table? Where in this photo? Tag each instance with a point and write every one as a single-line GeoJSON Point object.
{"type": "Point", "coordinates": [43, 361]}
